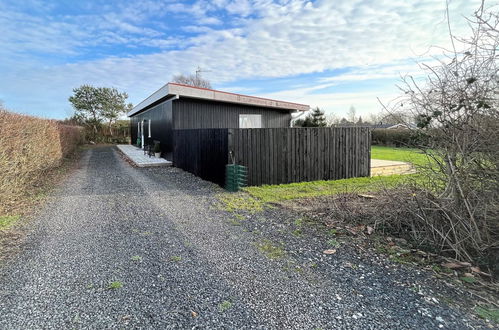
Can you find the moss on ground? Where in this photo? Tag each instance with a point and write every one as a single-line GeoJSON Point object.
{"type": "Point", "coordinates": [6, 221]}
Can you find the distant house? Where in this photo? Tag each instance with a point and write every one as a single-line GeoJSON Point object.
{"type": "Point", "coordinates": [390, 126]}
{"type": "Point", "coordinates": [177, 106]}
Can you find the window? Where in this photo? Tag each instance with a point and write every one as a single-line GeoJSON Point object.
{"type": "Point", "coordinates": [250, 121]}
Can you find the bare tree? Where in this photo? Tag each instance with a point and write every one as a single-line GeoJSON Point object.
{"type": "Point", "coordinates": [396, 117]}
{"type": "Point", "coordinates": [192, 80]}
{"type": "Point", "coordinates": [352, 114]}
{"type": "Point", "coordinates": [374, 118]}
{"type": "Point", "coordinates": [332, 119]}
{"type": "Point", "coordinates": [457, 113]}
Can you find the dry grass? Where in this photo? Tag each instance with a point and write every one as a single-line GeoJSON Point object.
{"type": "Point", "coordinates": [403, 212]}
{"type": "Point", "coordinates": [30, 148]}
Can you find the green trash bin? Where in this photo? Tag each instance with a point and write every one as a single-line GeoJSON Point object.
{"type": "Point", "coordinates": [235, 177]}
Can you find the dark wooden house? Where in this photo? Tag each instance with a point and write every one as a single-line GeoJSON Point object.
{"type": "Point", "coordinates": [176, 106]}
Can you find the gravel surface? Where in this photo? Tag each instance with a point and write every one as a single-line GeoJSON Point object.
{"type": "Point", "coordinates": [124, 247]}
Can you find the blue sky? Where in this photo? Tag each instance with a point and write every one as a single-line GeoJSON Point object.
{"type": "Point", "coordinates": [328, 53]}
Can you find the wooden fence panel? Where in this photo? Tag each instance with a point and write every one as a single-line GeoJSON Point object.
{"type": "Point", "coordinates": [285, 155]}
{"type": "Point", "coordinates": [275, 155]}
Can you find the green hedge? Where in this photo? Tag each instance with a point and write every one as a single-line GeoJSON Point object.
{"type": "Point", "coordinates": [396, 137]}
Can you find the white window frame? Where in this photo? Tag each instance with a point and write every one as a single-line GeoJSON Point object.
{"type": "Point", "coordinates": [247, 120]}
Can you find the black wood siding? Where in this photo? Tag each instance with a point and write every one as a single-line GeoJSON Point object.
{"type": "Point", "coordinates": [203, 152]}
{"type": "Point", "coordinates": [161, 126]}
{"type": "Point", "coordinates": [192, 113]}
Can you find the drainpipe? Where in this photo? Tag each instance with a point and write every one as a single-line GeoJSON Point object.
{"type": "Point", "coordinates": [293, 119]}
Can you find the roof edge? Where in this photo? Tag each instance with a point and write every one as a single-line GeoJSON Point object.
{"type": "Point", "coordinates": [214, 95]}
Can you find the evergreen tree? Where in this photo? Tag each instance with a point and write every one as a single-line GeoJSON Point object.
{"type": "Point", "coordinates": [316, 118]}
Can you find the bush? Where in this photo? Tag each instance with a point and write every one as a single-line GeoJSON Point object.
{"type": "Point", "coordinates": [120, 134]}
{"type": "Point", "coordinates": [396, 137]}
{"type": "Point", "coordinates": [29, 146]}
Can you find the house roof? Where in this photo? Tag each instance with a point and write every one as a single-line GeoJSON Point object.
{"type": "Point", "coordinates": [390, 126]}
{"type": "Point", "coordinates": [180, 90]}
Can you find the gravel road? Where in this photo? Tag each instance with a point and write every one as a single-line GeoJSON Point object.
{"type": "Point", "coordinates": [124, 247]}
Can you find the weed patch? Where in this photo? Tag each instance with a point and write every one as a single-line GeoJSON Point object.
{"type": "Point", "coordinates": [236, 202]}
{"type": "Point", "coordinates": [115, 285]}
{"type": "Point", "coordinates": [333, 243]}
{"type": "Point", "coordinates": [225, 305]}
{"type": "Point", "coordinates": [270, 249]}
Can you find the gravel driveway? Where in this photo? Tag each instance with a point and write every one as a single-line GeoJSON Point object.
{"type": "Point", "coordinates": [124, 247]}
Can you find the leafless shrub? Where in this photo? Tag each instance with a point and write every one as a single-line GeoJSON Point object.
{"type": "Point", "coordinates": [457, 112]}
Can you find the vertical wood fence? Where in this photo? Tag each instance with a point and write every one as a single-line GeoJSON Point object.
{"type": "Point", "coordinates": [285, 155]}
{"type": "Point", "coordinates": [275, 155]}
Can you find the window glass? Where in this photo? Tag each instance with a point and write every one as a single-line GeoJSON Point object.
{"type": "Point", "coordinates": [250, 121]}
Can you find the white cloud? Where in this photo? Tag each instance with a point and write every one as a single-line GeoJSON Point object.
{"type": "Point", "coordinates": [239, 7]}
{"type": "Point", "coordinates": [265, 39]}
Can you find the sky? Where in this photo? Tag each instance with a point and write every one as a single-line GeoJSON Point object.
{"type": "Point", "coordinates": [328, 53]}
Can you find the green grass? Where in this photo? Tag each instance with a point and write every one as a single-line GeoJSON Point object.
{"type": "Point", "coordinates": [271, 250]}
{"type": "Point", "coordinates": [7, 221]}
{"type": "Point", "coordinates": [175, 258]}
{"type": "Point", "coordinates": [333, 243]}
{"type": "Point", "coordinates": [410, 155]}
{"type": "Point", "coordinates": [491, 314]}
{"type": "Point", "coordinates": [468, 279]}
{"type": "Point", "coordinates": [115, 285]}
{"type": "Point", "coordinates": [235, 202]}
{"type": "Point", "coordinates": [136, 258]}
{"type": "Point", "coordinates": [283, 192]}
{"type": "Point", "coordinates": [225, 305]}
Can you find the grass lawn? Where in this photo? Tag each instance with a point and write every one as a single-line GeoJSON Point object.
{"type": "Point", "coordinates": [282, 192]}
{"type": "Point", "coordinates": [277, 193]}
{"type": "Point", "coordinates": [409, 155]}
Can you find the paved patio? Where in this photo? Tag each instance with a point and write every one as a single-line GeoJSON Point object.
{"type": "Point", "coordinates": [136, 156]}
{"type": "Point", "coordinates": [390, 167]}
